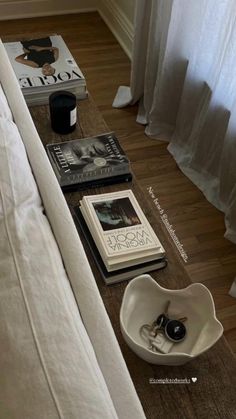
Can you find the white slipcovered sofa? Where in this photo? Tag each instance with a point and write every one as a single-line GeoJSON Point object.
{"type": "Point", "coordinates": [59, 357]}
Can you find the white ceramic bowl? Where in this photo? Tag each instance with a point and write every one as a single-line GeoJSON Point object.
{"type": "Point", "coordinates": [144, 300]}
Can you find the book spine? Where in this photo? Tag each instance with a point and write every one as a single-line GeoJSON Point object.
{"type": "Point", "coordinates": [81, 178]}
{"type": "Point", "coordinates": [98, 183]}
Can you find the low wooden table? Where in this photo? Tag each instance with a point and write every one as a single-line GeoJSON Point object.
{"type": "Point", "coordinates": [212, 392]}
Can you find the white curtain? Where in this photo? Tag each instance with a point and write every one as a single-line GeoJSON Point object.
{"type": "Point", "coordinates": [184, 77]}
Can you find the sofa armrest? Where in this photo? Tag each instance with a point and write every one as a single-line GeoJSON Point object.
{"type": "Point", "coordinates": [96, 321]}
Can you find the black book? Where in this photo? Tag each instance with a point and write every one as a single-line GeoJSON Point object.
{"type": "Point", "coordinates": [96, 184]}
{"type": "Point", "coordinates": [120, 274]}
{"type": "Point", "coordinates": [89, 162]}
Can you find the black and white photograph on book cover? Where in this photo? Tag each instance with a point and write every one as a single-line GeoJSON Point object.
{"type": "Point", "coordinates": [88, 159]}
{"type": "Point", "coordinates": [117, 213]}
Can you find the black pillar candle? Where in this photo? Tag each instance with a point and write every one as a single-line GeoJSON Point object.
{"type": "Point", "coordinates": [63, 111]}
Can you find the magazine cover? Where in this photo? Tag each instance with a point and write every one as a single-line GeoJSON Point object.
{"type": "Point", "coordinates": [88, 159]}
{"type": "Point", "coordinates": [43, 62]}
{"type": "Point", "coordinates": [118, 222]}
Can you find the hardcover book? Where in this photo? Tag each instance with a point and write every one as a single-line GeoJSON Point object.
{"type": "Point", "coordinates": [89, 161]}
{"type": "Point", "coordinates": [120, 274]}
{"type": "Point", "coordinates": [120, 230]}
{"type": "Point", "coordinates": [45, 65]}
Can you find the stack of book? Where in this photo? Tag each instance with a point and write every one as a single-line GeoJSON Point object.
{"type": "Point", "coordinates": [43, 66]}
{"type": "Point", "coordinates": [119, 235]}
{"type": "Point", "coordinates": [89, 162]}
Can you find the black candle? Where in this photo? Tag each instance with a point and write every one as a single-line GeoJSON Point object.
{"type": "Point", "coordinates": [63, 111]}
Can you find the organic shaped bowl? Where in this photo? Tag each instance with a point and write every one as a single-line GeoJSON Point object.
{"type": "Point", "coordinates": [144, 300]}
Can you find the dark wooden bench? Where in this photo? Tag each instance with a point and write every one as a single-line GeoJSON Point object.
{"type": "Point", "coordinates": [213, 394]}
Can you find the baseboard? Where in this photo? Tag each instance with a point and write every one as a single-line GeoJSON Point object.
{"type": "Point", "coordinates": [118, 23]}
{"type": "Point", "coordinates": [19, 9]}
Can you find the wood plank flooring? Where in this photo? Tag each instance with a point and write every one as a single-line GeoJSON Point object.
{"type": "Point", "coordinates": [197, 224]}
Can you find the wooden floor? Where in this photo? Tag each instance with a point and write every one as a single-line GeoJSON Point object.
{"type": "Point", "coordinates": [197, 224]}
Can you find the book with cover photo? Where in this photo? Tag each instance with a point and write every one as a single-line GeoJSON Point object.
{"type": "Point", "coordinates": [89, 161]}
{"type": "Point", "coordinates": [122, 233]}
{"type": "Point", "coordinates": [44, 65]}
{"type": "Point", "coordinates": [119, 274]}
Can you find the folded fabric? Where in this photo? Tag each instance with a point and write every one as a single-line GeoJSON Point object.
{"type": "Point", "coordinates": [5, 111]}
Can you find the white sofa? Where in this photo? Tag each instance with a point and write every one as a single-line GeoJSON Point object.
{"type": "Point", "coordinates": [59, 356]}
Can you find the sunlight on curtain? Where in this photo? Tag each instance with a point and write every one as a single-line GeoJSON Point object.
{"type": "Point", "coordinates": [184, 77]}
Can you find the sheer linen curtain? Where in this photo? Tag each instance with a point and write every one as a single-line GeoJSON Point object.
{"type": "Point", "coordinates": [184, 77]}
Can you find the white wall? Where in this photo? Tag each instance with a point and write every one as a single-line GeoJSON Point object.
{"type": "Point", "coordinates": [127, 6]}
{"type": "Point", "coordinates": [119, 16]}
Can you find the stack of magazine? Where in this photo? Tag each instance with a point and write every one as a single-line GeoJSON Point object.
{"type": "Point", "coordinates": [89, 162]}
{"type": "Point", "coordinates": [119, 235]}
{"type": "Point", "coordinates": [43, 66]}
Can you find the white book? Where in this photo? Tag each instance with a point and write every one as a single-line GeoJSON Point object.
{"type": "Point", "coordinates": [120, 229]}
{"type": "Point", "coordinates": [119, 274]}
{"type": "Point", "coordinates": [28, 62]}
{"type": "Point", "coordinates": [124, 261]}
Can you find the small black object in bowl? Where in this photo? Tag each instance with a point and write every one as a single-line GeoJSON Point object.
{"type": "Point", "coordinates": [63, 111]}
{"type": "Point", "coordinates": [174, 329]}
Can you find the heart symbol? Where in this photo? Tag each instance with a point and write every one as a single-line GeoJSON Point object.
{"type": "Point", "coordinates": [194, 379]}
